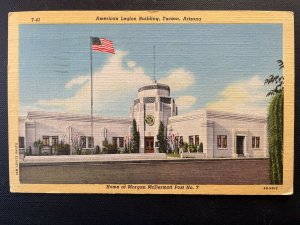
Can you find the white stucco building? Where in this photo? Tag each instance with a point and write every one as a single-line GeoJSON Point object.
{"type": "Point", "coordinates": [215, 134]}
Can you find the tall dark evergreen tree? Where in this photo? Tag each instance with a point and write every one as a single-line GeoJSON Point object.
{"type": "Point", "coordinates": [275, 126]}
{"type": "Point", "coordinates": [136, 138]}
{"type": "Point", "coordinates": [161, 138]}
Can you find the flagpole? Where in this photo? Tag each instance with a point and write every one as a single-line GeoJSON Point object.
{"type": "Point", "coordinates": [92, 119]}
{"type": "Point", "coordinates": [154, 62]}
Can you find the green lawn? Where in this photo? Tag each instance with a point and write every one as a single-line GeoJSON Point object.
{"type": "Point", "coordinates": [175, 155]}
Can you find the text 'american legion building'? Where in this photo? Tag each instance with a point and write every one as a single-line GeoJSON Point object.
{"type": "Point", "coordinates": [220, 134]}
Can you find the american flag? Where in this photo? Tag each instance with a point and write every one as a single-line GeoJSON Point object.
{"type": "Point", "coordinates": [102, 45]}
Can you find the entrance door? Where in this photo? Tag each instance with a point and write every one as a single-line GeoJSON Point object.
{"type": "Point", "coordinates": [149, 144]}
{"type": "Point", "coordinates": [240, 145]}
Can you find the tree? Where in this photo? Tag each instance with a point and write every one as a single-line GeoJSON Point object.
{"type": "Point", "coordinates": [278, 80]}
{"type": "Point", "coordinates": [136, 138]}
{"type": "Point", "coordinates": [76, 143]}
{"type": "Point", "coordinates": [275, 126]}
{"type": "Point", "coordinates": [161, 138]}
{"type": "Point", "coordinates": [39, 145]}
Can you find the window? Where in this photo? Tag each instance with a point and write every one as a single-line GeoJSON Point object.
{"type": "Point", "coordinates": [46, 140]}
{"type": "Point", "coordinates": [191, 140]}
{"type": "Point", "coordinates": [165, 100]}
{"type": "Point", "coordinates": [54, 140]}
{"type": "Point", "coordinates": [83, 141]}
{"type": "Point", "coordinates": [86, 142]}
{"type": "Point", "coordinates": [149, 99]}
{"type": "Point", "coordinates": [115, 141]}
{"type": "Point", "coordinates": [222, 141]}
{"type": "Point", "coordinates": [90, 142]}
{"type": "Point", "coordinates": [21, 142]}
{"type": "Point", "coordinates": [118, 141]}
{"type": "Point", "coordinates": [197, 140]}
{"type": "Point", "coordinates": [255, 142]}
{"type": "Point", "coordinates": [121, 142]}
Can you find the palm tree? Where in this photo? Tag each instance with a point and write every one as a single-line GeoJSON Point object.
{"type": "Point", "coordinates": [39, 145]}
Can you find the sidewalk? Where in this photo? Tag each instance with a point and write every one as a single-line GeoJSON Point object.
{"type": "Point", "coordinates": [93, 158]}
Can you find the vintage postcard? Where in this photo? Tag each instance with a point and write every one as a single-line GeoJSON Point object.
{"type": "Point", "coordinates": [151, 102]}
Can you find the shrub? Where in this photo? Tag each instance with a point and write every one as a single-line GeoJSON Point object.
{"type": "Point", "coordinates": [176, 150]}
{"type": "Point", "coordinates": [78, 151]}
{"type": "Point", "coordinates": [185, 147]}
{"type": "Point", "coordinates": [112, 149]}
{"type": "Point", "coordinates": [86, 152]}
{"type": "Point", "coordinates": [109, 148]}
{"type": "Point", "coordinates": [38, 145]}
{"type": "Point", "coordinates": [62, 149]}
{"type": "Point", "coordinates": [192, 148]}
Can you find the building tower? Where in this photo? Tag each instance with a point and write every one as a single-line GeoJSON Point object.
{"type": "Point", "coordinates": [152, 106]}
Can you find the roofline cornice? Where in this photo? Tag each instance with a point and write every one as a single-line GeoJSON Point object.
{"type": "Point", "coordinates": [31, 115]}
{"type": "Point", "coordinates": [211, 114]}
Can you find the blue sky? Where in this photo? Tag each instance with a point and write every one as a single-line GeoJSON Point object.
{"type": "Point", "coordinates": [216, 66]}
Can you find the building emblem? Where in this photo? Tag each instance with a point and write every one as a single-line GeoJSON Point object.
{"type": "Point", "coordinates": [149, 120]}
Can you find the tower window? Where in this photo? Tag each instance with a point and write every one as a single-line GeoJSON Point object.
{"type": "Point", "coordinates": [165, 100]}
{"type": "Point", "coordinates": [149, 99]}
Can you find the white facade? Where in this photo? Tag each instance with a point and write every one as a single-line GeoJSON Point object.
{"type": "Point", "coordinates": [220, 134]}
{"type": "Point", "coordinates": [43, 125]}
{"type": "Point", "coordinates": [240, 135]}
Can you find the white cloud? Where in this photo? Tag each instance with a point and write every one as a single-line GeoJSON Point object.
{"type": "Point", "coordinates": [131, 64]}
{"type": "Point", "coordinates": [179, 79]}
{"type": "Point", "coordinates": [77, 81]}
{"type": "Point", "coordinates": [185, 102]}
{"type": "Point", "coordinates": [114, 87]}
{"type": "Point", "coordinates": [113, 83]}
{"type": "Point", "coordinates": [245, 96]}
